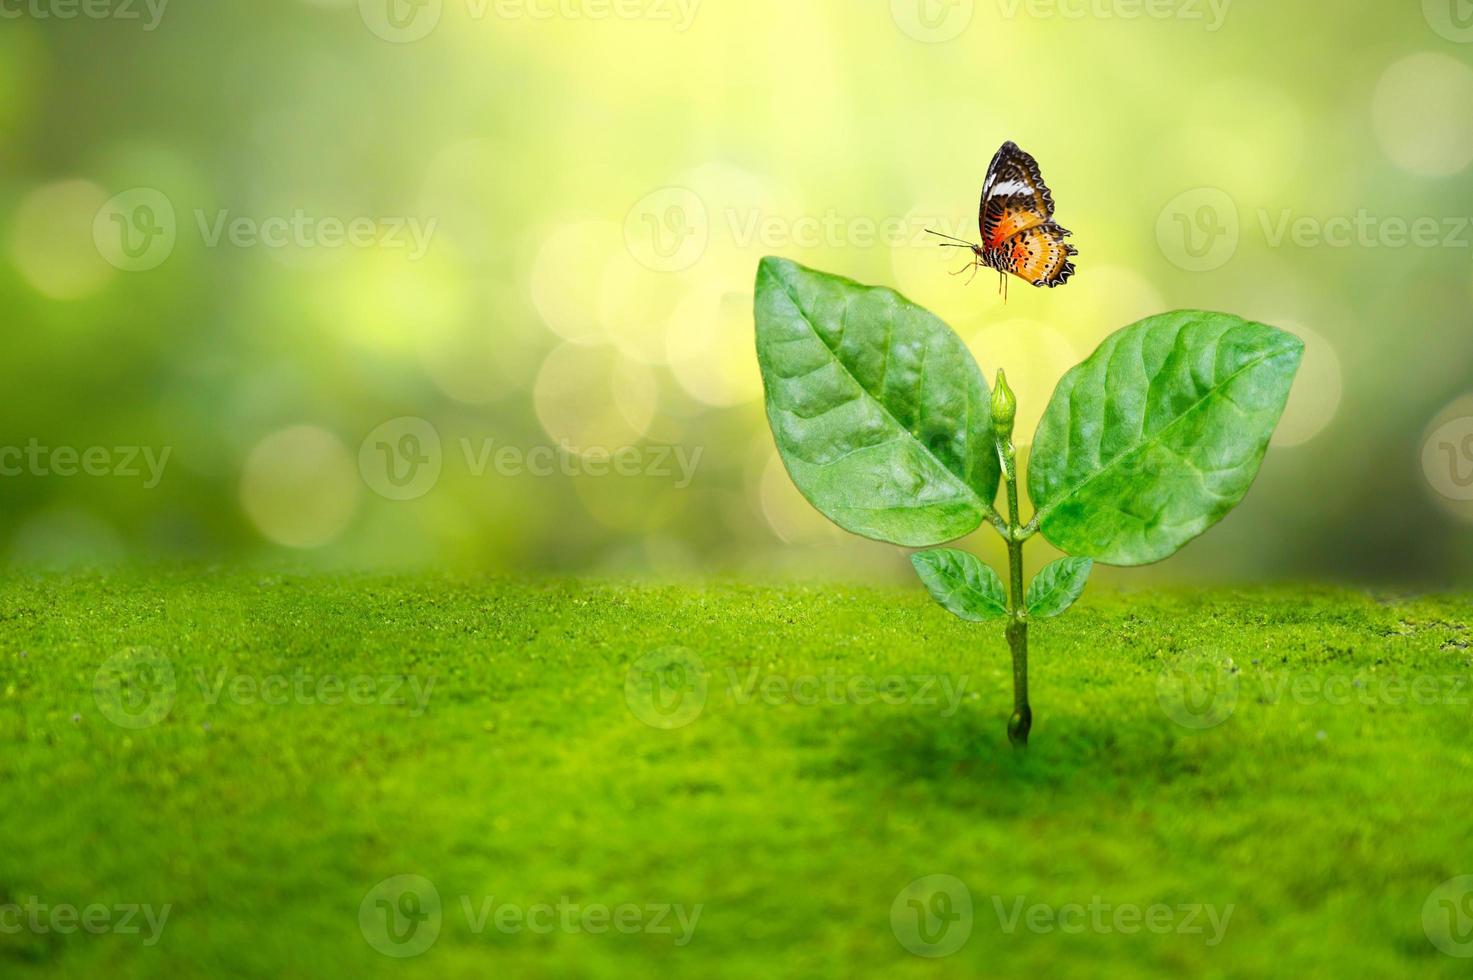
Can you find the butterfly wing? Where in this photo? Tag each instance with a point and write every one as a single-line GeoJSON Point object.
{"type": "Point", "coordinates": [1040, 255]}
{"type": "Point", "coordinates": [1014, 196]}
{"type": "Point", "coordinates": [1017, 220]}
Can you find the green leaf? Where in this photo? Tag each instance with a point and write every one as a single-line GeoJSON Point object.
{"type": "Point", "coordinates": [962, 584]}
{"type": "Point", "coordinates": [1057, 585]}
{"type": "Point", "coordinates": [878, 409]}
{"type": "Point", "coordinates": [1158, 434]}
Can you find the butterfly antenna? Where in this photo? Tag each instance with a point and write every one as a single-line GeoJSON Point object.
{"type": "Point", "coordinates": [959, 242]}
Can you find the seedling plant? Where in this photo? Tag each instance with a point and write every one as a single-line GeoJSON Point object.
{"type": "Point", "coordinates": [887, 426]}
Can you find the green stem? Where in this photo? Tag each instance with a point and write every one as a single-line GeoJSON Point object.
{"type": "Point", "coordinates": [997, 522]}
{"type": "Point", "coordinates": [1017, 631]}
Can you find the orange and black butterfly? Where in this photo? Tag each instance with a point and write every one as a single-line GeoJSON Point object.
{"type": "Point", "coordinates": [1019, 234]}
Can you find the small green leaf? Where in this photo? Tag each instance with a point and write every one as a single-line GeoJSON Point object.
{"type": "Point", "coordinates": [878, 409]}
{"type": "Point", "coordinates": [961, 583]}
{"type": "Point", "coordinates": [1158, 434]}
{"type": "Point", "coordinates": [1057, 585]}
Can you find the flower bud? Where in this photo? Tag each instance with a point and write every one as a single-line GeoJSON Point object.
{"type": "Point", "coordinates": [1004, 407]}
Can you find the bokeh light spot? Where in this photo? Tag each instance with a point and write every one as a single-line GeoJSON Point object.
{"type": "Point", "coordinates": [51, 241]}
{"type": "Point", "coordinates": [1246, 135]}
{"type": "Point", "coordinates": [709, 340]}
{"type": "Point", "coordinates": [1447, 458]}
{"type": "Point", "coordinates": [565, 275]}
{"type": "Point", "coordinates": [1315, 397]}
{"type": "Point", "coordinates": [791, 517]}
{"type": "Point", "coordinates": [494, 347]}
{"type": "Point", "coordinates": [299, 486]}
{"type": "Point", "coordinates": [1035, 356]}
{"type": "Point", "coordinates": [1423, 114]}
{"type": "Point", "coordinates": [65, 536]}
{"type": "Point", "coordinates": [922, 266]}
{"type": "Point", "coordinates": [594, 397]}
{"type": "Point", "coordinates": [1102, 299]}
{"type": "Point", "coordinates": [464, 188]}
{"type": "Point", "coordinates": [634, 304]}
{"type": "Point", "coordinates": [388, 303]}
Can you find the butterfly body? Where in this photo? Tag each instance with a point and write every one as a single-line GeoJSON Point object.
{"type": "Point", "coordinates": [1016, 218]}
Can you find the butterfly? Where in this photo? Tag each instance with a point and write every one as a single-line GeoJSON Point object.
{"type": "Point", "coordinates": [1019, 234]}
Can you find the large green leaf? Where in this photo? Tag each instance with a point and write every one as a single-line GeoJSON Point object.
{"type": "Point", "coordinates": [962, 583]}
{"type": "Point", "coordinates": [1057, 585]}
{"type": "Point", "coordinates": [879, 412]}
{"type": "Point", "coordinates": [1158, 434]}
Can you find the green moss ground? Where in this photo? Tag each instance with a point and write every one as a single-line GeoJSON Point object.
{"type": "Point", "coordinates": [1325, 809]}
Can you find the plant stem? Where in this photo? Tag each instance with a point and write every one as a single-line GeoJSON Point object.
{"type": "Point", "coordinates": [1017, 631]}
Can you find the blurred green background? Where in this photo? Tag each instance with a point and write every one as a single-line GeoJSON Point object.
{"type": "Point", "coordinates": [396, 284]}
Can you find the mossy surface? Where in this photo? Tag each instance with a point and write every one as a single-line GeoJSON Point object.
{"type": "Point", "coordinates": [849, 742]}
